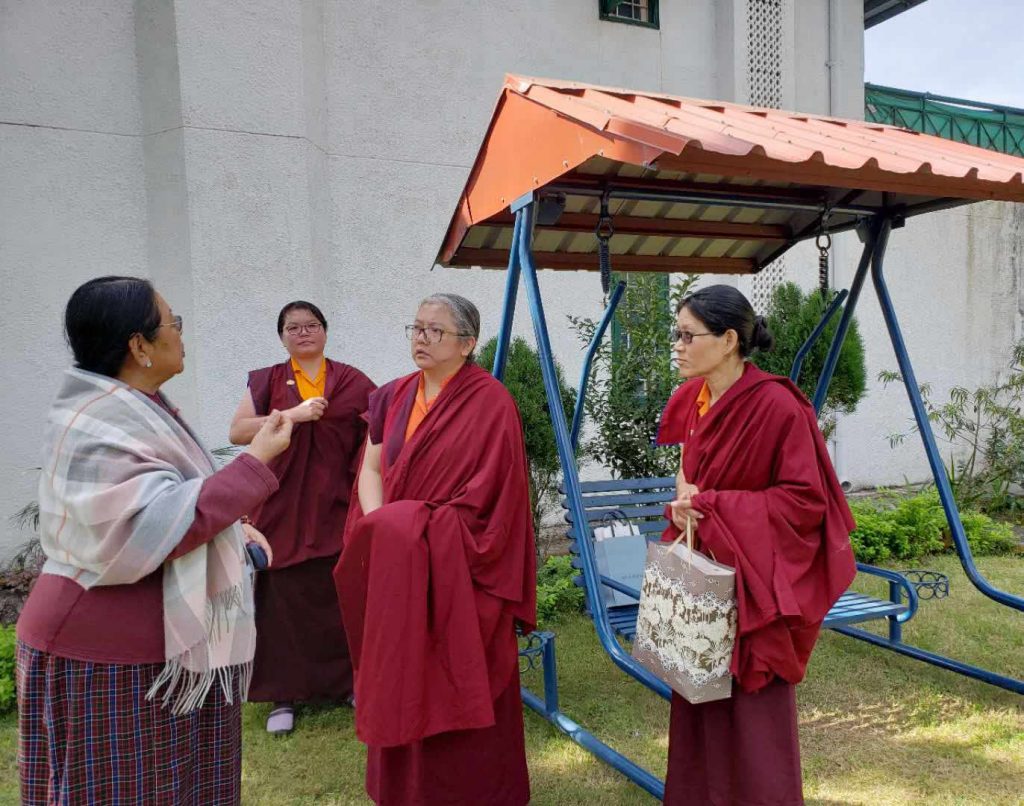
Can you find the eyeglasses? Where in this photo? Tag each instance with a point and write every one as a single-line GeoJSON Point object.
{"type": "Point", "coordinates": [176, 323]}
{"type": "Point", "coordinates": [311, 327]}
{"type": "Point", "coordinates": [686, 337]}
{"type": "Point", "coordinates": [432, 335]}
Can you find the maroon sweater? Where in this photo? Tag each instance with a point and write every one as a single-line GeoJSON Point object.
{"type": "Point", "coordinates": [63, 618]}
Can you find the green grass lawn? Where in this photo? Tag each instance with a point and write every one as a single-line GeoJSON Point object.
{"type": "Point", "coordinates": [875, 727]}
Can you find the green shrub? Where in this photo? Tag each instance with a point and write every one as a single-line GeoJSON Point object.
{"type": "Point", "coordinates": [526, 385]}
{"type": "Point", "coordinates": [877, 534]}
{"type": "Point", "coordinates": [792, 316]}
{"type": "Point", "coordinates": [906, 528]}
{"type": "Point", "coordinates": [8, 699]}
{"type": "Point", "coordinates": [987, 536]}
{"type": "Point", "coordinates": [556, 592]}
{"type": "Point", "coordinates": [923, 521]}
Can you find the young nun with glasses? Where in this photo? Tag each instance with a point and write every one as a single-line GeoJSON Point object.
{"type": "Point", "coordinates": [301, 650]}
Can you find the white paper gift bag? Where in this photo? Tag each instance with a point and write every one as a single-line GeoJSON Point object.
{"type": "Point", "coordinates": [686, 623]}
{"type": "Point", "coordinates": [621, 554]}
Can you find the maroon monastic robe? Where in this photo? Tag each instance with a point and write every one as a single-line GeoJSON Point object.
{"type": "Point", "coordinates": [306, 518]}
{"type": "Point", "coordinates": [301, 649]}
{"type": "Point", "coordinates": [774, 511]}
{"type": "Point", "coordinates": [431, 586]}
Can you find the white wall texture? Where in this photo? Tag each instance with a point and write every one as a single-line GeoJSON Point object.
{"type": "Point", "coordinates": [246, 154]}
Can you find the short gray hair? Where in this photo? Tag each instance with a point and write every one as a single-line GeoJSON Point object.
{"type": "Point", "coordinates": [464, 313]}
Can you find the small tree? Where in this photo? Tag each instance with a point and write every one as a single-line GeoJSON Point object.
{"type": "Point", "coordinates": [791, 317]}
{"type": "Point", "coordinates": [633, 376]}
{"type": "Point", "coordinates": [526, 384]}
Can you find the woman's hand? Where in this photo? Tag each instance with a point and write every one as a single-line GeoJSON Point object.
{"type": "Point", "coordinates": [254, 535]}
{"type": "Point", "coordinates": [308, 411]}
{"type": "Point", "coordinates": [682, 508]}
{"type": "Point", "coordinates": [273, 438]}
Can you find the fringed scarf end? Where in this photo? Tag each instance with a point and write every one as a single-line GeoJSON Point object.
{"type": "Point", "coordinates": [185, 691]}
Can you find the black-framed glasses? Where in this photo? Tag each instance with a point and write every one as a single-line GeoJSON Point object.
{"type": "Point", "coordinates": [176, 322]}
{"type": "Point", "coordinates": [309, 327]}
{"type": "Point", "coordinates": [432, 335]}
{"type": "Point", "coordinates": [686, 337]}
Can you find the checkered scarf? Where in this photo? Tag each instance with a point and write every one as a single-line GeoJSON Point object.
{"type": "Point", "coordinates": [118, 491]}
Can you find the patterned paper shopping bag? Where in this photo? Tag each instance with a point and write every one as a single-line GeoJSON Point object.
{"type": "Point", "coordinates": [686, 624]}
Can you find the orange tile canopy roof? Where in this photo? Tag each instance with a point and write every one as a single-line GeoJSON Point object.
{"type": "Point", "coordinates": [697, 186]}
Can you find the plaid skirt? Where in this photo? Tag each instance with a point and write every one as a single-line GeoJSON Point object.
{"type": "Point", "coordinates": [87, 734]}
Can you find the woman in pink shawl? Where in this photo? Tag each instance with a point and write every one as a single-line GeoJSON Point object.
{"type": "Point", "coordinates": [135, 646]}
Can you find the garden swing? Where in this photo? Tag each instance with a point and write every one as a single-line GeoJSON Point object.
{"type": "Point", "coordinates": [702, 187]}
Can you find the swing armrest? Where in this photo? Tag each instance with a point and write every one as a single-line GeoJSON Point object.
{"type": "Point", "coordinates": [896, 581]}
{"type": "Point", "coordinates": [615, 585]}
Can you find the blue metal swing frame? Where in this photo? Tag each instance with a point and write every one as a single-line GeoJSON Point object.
{"type": "Point", "coordinates": [874, 230]}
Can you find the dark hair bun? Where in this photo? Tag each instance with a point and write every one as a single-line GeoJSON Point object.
{"type": "Point", "coordinates": [762, 338]}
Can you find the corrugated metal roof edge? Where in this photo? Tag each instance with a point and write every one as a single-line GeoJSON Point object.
{"type": "Point", "coordinates": [743, 152]}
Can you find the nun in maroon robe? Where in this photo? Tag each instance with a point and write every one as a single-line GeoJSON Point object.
{"type": "Point", "coordinates": [435, 579]}
{"type": "Point", "coordinates": [301, 649]}
{"type": "Point", "coordinates": [756, 478]}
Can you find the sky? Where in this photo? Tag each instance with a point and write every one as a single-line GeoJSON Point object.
{"type": "Point", "coordinates": [972, 49]}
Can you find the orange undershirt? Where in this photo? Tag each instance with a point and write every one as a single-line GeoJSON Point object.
{"type": "Point", "coordinates": [421, 406]}
{"type": "Point", "coordinates": [310, 387]}
{"type": "Point", "coordinates": [703, 400]}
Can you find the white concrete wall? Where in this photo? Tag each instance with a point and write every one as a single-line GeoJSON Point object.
{"type": "Point", "coordinates": [73, 202]}
{"type": "Point", "coordinates": [246, 154]}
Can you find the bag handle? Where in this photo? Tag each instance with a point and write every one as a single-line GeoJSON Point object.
{"type": "Point", "coordinates": [689, 540]}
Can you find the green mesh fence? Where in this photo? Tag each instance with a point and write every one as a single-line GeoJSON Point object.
{"type": "Point", "coordinates": [999, 128]}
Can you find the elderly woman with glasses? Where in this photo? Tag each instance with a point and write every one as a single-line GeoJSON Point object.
{"type": "Point", "coordinates": [756, 480]}
{"type": "Point", "coordinates": [438, 569]}
{"type": "Point", "coordinates": [301, 651]}
{"type": "Point", "coordinates": [136, 643]}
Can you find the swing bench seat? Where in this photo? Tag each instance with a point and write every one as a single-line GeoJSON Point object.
{"type": "Point", "coordinates": [641, 503]}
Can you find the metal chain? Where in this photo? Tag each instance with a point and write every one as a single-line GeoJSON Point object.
{"type": "Point", "coordinates": [824, 244]}
{"type": "Point", "coordinates": [604, 232]}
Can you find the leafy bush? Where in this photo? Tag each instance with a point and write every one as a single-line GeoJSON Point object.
{"type": "Point", "coordinates": [556, 591]}
{"type": "Point", "coordinates": [633, 377]}
{"type": "Point", "coordinates": [792, 316]}
{"type": "Point", "coordinates": [877, 537]}
{"type": "Point", "coordinates": [904, 531]}
{"type": "Point", "coordinates": [987, 536]}
{"type": "Point", "coordinates": [8, 699]}
{"type": "Point", "coordinates": [526, 384]}
{"type": "Point", "coordinates": [909, 527]}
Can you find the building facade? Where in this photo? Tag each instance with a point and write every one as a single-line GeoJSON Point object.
{"type": "Point", "coordinates": [242, 155]}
